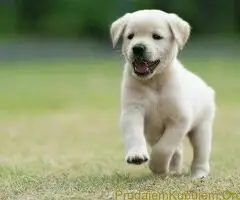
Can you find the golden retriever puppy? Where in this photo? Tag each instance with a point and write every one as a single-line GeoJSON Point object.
{"type": "Point", "coordinates": [162, 101]}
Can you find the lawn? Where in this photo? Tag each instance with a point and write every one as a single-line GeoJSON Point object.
{"type": "Point", "coordinates": [60, 139]}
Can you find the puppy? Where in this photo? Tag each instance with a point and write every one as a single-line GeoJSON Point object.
{"type": "Point", "coordinates": [161, 101]}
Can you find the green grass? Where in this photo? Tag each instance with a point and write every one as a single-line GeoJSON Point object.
{"type": "Point", "coordinates": [60, 139]}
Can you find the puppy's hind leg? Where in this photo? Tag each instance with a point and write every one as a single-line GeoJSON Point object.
{"type": "Point", "coordinates": [177, 160]}
{"type": "Point", "coordinates": [165, 148]}
{"type": "Point", "coordinates": [201, 139]}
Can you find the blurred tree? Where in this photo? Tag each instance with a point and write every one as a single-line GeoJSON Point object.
{"type": "Point", "coordinates": [7, 17]}
{"type": "Point", "coordinates": [237, 15]}
{"type": "Point", "coordinates": [215, 16]}
{"type": "Point", "coordinates": [29, 13]}
{"type": "Point", "coordinates": [76, 18]}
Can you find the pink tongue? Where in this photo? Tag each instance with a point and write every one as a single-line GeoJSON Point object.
{"type": "Point", "coordinates": [141, 67]}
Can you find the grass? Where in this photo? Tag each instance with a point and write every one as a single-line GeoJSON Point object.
{"type": "Point", "coordinates": [59, 135]}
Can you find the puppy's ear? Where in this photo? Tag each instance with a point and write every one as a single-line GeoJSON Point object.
{"type": "Point", "coordinates": [180, 29]}
{"type": "Point", "coordinates": [117, 28]}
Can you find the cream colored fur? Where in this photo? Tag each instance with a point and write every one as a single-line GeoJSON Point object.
{"type": "Point", "coordinates": [171, 103]}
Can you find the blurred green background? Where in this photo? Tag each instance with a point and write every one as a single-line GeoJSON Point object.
{"type": "Point", "coordinates": [60, 91]}
{"type": "Point", "coordinates": [63, 28]}
{"type": "Point", "coordinates": [74, 18]}
{"type": "Point", "coordinates": [70, 25]}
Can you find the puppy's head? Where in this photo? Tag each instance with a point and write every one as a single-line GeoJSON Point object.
{"type": "Point", "coordinates": [151, 40]}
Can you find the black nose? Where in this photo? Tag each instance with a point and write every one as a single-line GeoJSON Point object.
{"type": "Point", "coordinates": [138, 50]}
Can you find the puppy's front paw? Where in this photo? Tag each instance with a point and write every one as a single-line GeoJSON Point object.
{"type": "Point", "coordinates": [137, 156]}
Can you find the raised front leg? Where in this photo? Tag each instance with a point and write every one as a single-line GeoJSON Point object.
{"type": "Point", "coordinates": [132, 125]}
{"type": "Point", "coordinates": [164, 150]}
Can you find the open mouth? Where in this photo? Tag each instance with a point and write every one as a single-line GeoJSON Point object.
{"type": "Point", "coordinates": [143, 67]}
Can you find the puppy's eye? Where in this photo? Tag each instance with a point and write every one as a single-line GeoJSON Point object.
{"type": "Point", "coordinates": [156, 36]}
{"type": "Point", "coordinates": [130, 36]}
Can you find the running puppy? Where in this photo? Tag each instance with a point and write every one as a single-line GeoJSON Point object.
{"type": "Point", "coordinates": [162, 101]}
